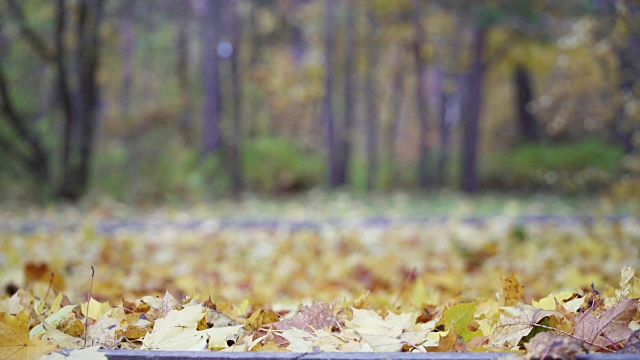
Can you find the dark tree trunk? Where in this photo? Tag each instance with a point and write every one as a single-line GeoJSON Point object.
{"type": "Point", "coordinates": [327, 102]}
{"type": "Point", "coordinates": [372, 108]}
{"type": "Point", "coordinates": [183, 48]}
{"type": "Point", "coordinates": [79, 93]}
{"type": "Point", "coordinates": [344, 137]}
{"type": "Point", "coordinates": [421, 97]}
{"type": "Point", "coordinates": [235, 141]}
{"type": "Point", "coordinates": [212, 105]}
{"type": "Point", "coordinates": [628, 55]}
{"type": "Point", "coordinates": [127, 46]}
{"type": "Point", "coordinates": [524, 96]}
{"type": "Point", "coordinates": [469, 181]}
{"type": "Point", "coordinates": [75, 182]}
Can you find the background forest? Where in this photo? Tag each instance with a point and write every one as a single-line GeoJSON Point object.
{"type": "Point", "coordinates": [151, 101]}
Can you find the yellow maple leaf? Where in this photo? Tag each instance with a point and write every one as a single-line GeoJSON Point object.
{"type": "Point", "coordinates": [511, 291]}
{"type": "Point", "coordinates": [15, 342]}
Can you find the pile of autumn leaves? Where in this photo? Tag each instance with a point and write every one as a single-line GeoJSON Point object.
{"type": "Point", "coordinates": [561, 324]}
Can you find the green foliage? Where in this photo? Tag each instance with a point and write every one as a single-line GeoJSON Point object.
{"type": "Point", "coordinates": [567, 168]}
{"type": "Point", "coordinates": [273, 164]}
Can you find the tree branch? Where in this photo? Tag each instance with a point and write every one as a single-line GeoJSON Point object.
{"type": "Point", "coordinates": [16, 122]}
{"type": "Point", "coordinates": [35, 41]}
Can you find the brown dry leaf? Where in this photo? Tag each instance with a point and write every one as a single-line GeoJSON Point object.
{"type": "Point", "coordinates": [548, 345]}
{"type": "Point", "coordinates": [446, 343]}
{"type": "Point", "coordinates": [41, 272]}
{"type": "Point", "coordinates": [511, 291]}
{"type": "Point", "coordinates": [611, 328]}
{"type": "Point", "coordinates": [15, 343]}
{"type": "Point", "coordinates": [514, 323]}
{"type": "Point", "coordinates": [309, 318]}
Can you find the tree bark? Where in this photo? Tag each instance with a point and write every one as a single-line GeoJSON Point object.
{"type": "Point", "coordinates": [79, 93]}
{"type": "Point", "coordinates": [127, 48]}
{"type": "Point", "coordinates": [75, 180]}
{"type": "Point", "coordinates": [397, 95]}
{"type": "Point", "coordinates": [421, 97]}
{"type": "Point", "coordinates": [527, 123]}
{"type": "Point", "coordinates": [328, 120]}
{"type": "Point", "coordinates": [212, 105]}
{"type": "Point", "coordinates": [449, 114]}
{"type": "Point", "coordinates": [628, 55]}
{"type": "Point", "coordinates": [235, 141]}
{"type": "Point", "coordinates": [469, 181]}
{"type": "Point", "coordinates": [372, 108]}
{"type": "Point", "coordinates": [345, 135]}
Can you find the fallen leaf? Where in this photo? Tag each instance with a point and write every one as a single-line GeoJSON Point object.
{"type": "Point", "coordinates": [96, 309]}
{"type": "Point", "coordinates": [446, 343]}
{"type": "Point", "coordinates": [178, 331]}
{"type": "Point", "coordinates": [309, 318]}
{"type": "Point", "coordinates": [261, 318]}
{"type": "Point", "coordinates": [459, 318]}
{"type": "Point", "coordinates": [546, 345]}
{"type": "Point", "coordinates": [90, 353]}
{"type": "Point", "coordinates": [54, 320]}
{"type": "Point", "coordinates": [511, 291]}
{"type": "Point", "coordinates": [15, 343]}
{"type": "Point", "coordinates": [302, 341]}
{"type": "Point", "coordinates": [64, 341]}
{"type": "Point", "coordinates": [611, 328]}
{"type": "Point", "coordinates": [633, 343]}
{"type": "Point", "coordinates": [514, 323]}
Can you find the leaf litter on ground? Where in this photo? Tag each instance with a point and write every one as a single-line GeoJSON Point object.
{"type": "Point", "coordinates": [496, 286]}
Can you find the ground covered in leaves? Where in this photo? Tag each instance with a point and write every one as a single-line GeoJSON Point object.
{"type": "Point", "coordinates": [193, 281]}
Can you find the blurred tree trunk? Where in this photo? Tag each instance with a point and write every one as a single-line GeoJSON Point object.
{"type": "Point", "coordinates": [344, 138]}
{"type": "Point", "coordinates": [421, 96]}
{"type": "Point", "coordinates": [628, 54]}
{"type": "Point", "coordinates": [327, 119]}
{"type": "Point", "coordinates": [212, 106]}
{"type": "Point", "coordinates": [183, 48]}
{"type": "Point", "coordinates": [527, 123]}
{"type": "Point", "coordinates": [448, 115]}
{"type": "Point", "coordinates": [372, 101]}
{"type": "Point", "coordinates": [235, 139]}
{"type": "Point", "coordinates": [470, 126]}
{"type": "Point", "coordinates": [397, 95]}
{"type": "Point", "coordinates": [78, 97]}
{"type": "Point", "coordinates": [127, 48]}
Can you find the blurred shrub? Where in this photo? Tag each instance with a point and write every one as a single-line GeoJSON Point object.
{"type": "Point", "coordinates": [625, 193]}
{"type": "Point", "coordinates": [280, 165]}
{"type": "Point", "coordinates": [568, 168]}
